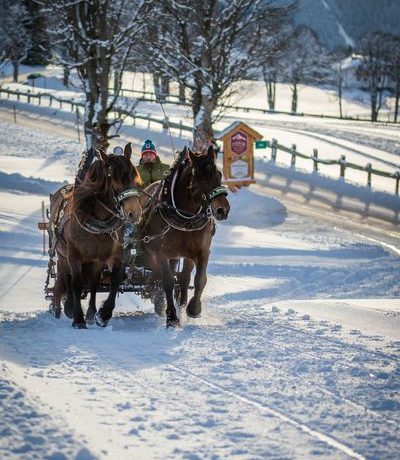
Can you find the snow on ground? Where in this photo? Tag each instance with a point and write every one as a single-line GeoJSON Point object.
{"type": "Point", "coordinates": [313, 100]}
{"type": "Point", "coordinates": [361, 143]}
{"type": "Point", "coordinates": [296, 354]}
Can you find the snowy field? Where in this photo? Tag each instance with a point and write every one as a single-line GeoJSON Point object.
{"type": "Point", "coordinates": [296, 354]}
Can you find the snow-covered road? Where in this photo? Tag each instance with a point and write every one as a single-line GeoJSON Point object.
{"type": "Point", "coordinates": [296, 354]}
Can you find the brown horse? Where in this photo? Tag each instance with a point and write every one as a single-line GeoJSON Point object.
{"type": "Point", "coordinates": [91, 234]}
{"type": "Point", "coordinates": [178, 221]}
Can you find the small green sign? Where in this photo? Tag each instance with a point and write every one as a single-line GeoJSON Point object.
{"type": "Point", "coordinates": [262, 144]}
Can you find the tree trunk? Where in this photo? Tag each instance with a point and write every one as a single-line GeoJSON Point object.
{"type": "Point", "coordinates": [164, 87]}
{"type": "Point", "coordinates": [156, 83]}
{"type": "Point", "coordinates": [396, 104]}
{"type": "Point", "coordinates": [340, 96]}
{"type": "Point", "coordinates": [270, 83]}
{"type": "Point", "coordinates": [271, 93]}
{"type": "Point", "coordinates": [203, 132]}
{"type": "Point", "coordinates": [374, 101]}
{"type": "Point", "coordinates": [294, 98]}
{"type": "Point", "coordinates": [15, 65]}
{"type": "Point", "coordinates": [66, 75]}
{"type": "Point", "coordinates": [182, 96]}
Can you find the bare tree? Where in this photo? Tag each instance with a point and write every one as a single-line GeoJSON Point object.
{"type": "Point", "coordinates": [338, 74]}
{"type": "Point", "coordinates": [97, 37]}
{"type": "Point", "coordinates": [393, 58]}
{"type": "Point", "coordinates": [306, 61]}
{"type": "Point", "coordinates": [373, 68]}
{"type": "Point", "coordinates": [14, 37]}
{"type": "Point", "coordinates": [207, 45]}
{"type": "Point", "coordinates": [272, 48]}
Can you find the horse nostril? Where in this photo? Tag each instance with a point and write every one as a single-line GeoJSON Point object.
{"type": "Point", "coordinates": [220, 213]}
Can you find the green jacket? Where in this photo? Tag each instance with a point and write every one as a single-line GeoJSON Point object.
{"type": "Point", "coordinates": [152, 172]}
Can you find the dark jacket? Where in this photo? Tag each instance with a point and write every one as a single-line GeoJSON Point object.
{"type": "Point", "coordinates": [152, 172]}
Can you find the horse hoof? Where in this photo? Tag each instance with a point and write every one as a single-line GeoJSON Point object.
{"type": "Point", "coordinates": [159, 311]}
{"type": "Point", "coordinates": [55, 311]}
{"type": "Point", "coordinates": [81, 325]}
{"type": "Point", "coordinates": [99, 321]}
{"type": "Point", "coordinates": [172, 323]}
{"type": "Point", "coordinates": [193, 310]}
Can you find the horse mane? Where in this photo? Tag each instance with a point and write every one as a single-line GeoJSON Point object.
{"type": "Point", "coordinates": [206, 167]}
{"type": "Point", "coordinates": [95, 186]}
{"type": "Point", "coordinates": [124, 170]}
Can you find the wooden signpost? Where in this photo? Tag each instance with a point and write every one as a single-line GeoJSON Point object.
{"type": "Point", "coordinates": [238, 147]}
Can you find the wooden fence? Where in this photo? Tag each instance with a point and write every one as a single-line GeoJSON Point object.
{"type": "Point", "coordinates": [165, 123]}
{"type": "Point", "coordinates": [341, 162]}
{"type": "Point", "coordinates": [61, 103]}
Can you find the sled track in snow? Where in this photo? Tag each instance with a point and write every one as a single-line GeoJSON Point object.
{"type": "Point", "coordinates": [264, 408]}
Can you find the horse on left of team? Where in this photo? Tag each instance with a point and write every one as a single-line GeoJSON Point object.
{"type": "Point", "coordinates": [90, 232]}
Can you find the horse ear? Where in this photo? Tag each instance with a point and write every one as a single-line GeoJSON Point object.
{"type": "Point", "coordinates": [211, 152]}
{"type": "Point", "coordinates": [101, 155]}
{"type": "Point", "coordinates": [137, 178]}
{"type": "Point", "coordinates": [128, 151]}
{"type": "Point", "coordinates": [192, 156]}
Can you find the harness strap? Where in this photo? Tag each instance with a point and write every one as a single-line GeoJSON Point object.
{"type": "Point", "coordinates": [221, 190]}
{"type": "Point", "coordinates": [128, 194]}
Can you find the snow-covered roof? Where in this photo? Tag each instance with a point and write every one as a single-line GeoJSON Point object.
{"type": "Point", "coordinates": [220, 134]}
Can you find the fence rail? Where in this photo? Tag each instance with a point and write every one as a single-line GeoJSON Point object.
{"type": "Point", "coordinates": [341, 162]}
{"type": "Point", "coordinates": [74, 104]}
{"type": "Point", "coordinates": [148, 96]}
{"type": "Point", "coordinates": [275, 146]}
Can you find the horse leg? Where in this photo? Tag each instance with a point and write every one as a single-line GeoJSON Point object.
{"type": "Point", "coordinates": [59, 291]}
{"type": "Point", "coordinates": [76, 287]}
{"type": "Point", "coordinates": [94, 282]}
{"type": "Point", "coordinates": [193, 309]}
{"type": "Point", "coordinates": [184, 280]}
{"type": "Point", "coordinates": [69, 301]}
{"type": "Point", "coordinates": [168, 282]}
{"type": "Point", "coordinates": [103, 316]}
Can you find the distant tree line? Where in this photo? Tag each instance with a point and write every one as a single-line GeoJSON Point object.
{"type": "Point", "coordinates": [205, 46]}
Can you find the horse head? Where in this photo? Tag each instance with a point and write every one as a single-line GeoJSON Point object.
{"type": "Point", "coordinates": [124, 180]}
{"type": "Point", "coordinates": [207, 180]}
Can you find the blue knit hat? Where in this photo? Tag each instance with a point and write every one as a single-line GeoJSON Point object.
{"type": "Point", "coordinates": [148, 147]}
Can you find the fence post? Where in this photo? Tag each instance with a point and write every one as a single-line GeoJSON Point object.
{"type": "Point", "coordinates": [29, 97]}
{"type": "Point", "coordinates": [180, 128]}
{"type": "Point", "coordinates": [293, 159]}
{"type": "Point", "coordinates": [315, 160]}
{"type": "Point", "coordinates": [148, 121]}
{"type": "Point", "coordinates": [274, 149]}
{"type": "Point", "coordinates": [342, 163]}
{"type": "Point", "coordinates": [51, 100]}
{"type": "Point", "coordinates": [368, 169]}
{"type": "Point", "coordinates": [15, 113]}
{"type": "Point", "coordinates": [397, 177]}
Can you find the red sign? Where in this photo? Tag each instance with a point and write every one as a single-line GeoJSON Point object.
{"type": "Point", "coordinates": [239, 143]}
